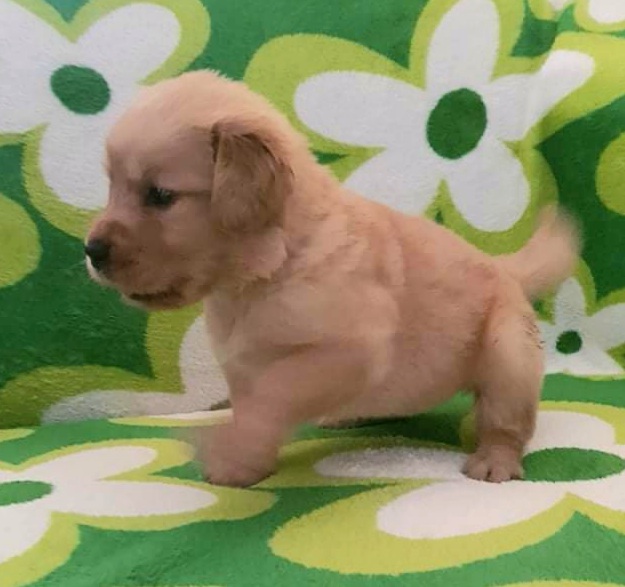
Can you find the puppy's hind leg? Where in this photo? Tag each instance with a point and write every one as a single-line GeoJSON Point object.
{"type": "Point", "coordinates": [507, 392]}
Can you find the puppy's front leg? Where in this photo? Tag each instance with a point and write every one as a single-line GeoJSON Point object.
{"type": "Point", "coordinates": [298, 388]}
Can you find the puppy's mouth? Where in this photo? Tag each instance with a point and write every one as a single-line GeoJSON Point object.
{"type": "Point", "coordinates": [160, 298]}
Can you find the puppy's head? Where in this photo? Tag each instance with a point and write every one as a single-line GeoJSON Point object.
{"type": "Point", "coordinates": [197, 166]}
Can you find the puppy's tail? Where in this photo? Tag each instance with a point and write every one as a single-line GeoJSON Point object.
{"type": "Point", "coordinates": [549, 257]}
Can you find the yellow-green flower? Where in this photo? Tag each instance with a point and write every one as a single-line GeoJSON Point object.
{"type": "Point", "coordinates": [20, 250]}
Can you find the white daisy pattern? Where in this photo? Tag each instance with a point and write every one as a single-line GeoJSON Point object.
{"type": "Point", "coordinates": [455, 129]}
{"type": "Point", "coordinates": [73, 89]}
{"type": "Point", "coordinates": [89, 483]}
{"type": "Point", "coordinates": [457, 506]}
{"type": "Point", "coordinates": [202, 380]}
{"type": "Point", "coordinates": [602, 11]}
{"type": "Point", "coordinates": [579, 342]}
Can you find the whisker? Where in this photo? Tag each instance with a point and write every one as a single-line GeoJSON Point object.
{"type": "Point", "coordinates": [71, 268]}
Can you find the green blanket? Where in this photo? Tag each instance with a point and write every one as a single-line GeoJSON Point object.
{"type": "Point", "coordinates": [474, 112]}
{"type": "Point", "coordinates": [120, 503]}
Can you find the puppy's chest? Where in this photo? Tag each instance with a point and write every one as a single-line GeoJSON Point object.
{"type": "Point", "coordinates": [261, 332]}
{"type": "Point", "coordinates": [248, 337]}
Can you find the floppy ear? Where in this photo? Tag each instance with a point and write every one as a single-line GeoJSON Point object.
{"type": "Point", "coordinates": [250, 183]}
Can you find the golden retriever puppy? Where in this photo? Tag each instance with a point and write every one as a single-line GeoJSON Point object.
{"type": "Point", "coordinates": [322, 306]}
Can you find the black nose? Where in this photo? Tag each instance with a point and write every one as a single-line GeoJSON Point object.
{"type": "Point", "coordinates": [99, 252]}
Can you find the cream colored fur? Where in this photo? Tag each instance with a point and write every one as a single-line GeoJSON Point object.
{"type": "Point", "coordinates": [322, 306]}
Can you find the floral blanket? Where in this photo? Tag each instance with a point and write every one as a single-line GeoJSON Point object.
{"type": "Point", "coordinates": [474, 112]}
{"type": "Point", "coordinates": [120, 503]}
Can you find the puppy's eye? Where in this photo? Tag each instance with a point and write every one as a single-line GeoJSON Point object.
{"type": "Point", "coordinates": [159, 197]}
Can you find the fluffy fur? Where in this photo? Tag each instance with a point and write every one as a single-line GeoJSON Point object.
{"type": "Point", "coordinates": [322, 306]}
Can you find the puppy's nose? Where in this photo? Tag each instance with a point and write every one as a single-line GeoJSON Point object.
{"type": "Point", "coordinates": [99, 252]}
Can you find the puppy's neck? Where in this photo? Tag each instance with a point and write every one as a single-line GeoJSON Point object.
{"type": "Point", "coordinates": [253, 259]}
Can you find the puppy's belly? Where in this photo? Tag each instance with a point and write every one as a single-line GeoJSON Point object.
{"type": "Point", "coordinates": [406, 391]}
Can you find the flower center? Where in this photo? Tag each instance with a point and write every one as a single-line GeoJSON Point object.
{"type": "Point", "coordinates": [571, 464]}
{"type": "Point", "coordinates": [569, 342]}
{"type": "Point", "coordinates": [23, 491]}
{"type": "Point", "coordinates": [457, 123]}
{"type": "Point", "coordinates": [80, 89]}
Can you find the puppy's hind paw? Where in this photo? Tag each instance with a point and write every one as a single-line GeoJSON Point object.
{"type": "Point", "coordinates": [493, 467]}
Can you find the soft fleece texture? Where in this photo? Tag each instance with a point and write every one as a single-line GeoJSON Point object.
{"type": "Point", "coordinates": [383, 504]}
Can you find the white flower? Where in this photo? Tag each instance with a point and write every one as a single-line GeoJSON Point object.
{"type": "Point", "coordinates": [606, 11]}
{"type": "Point", "coordinates": [73, 87]}
{"type": "Point", "coordinates": [457, 506]}
{"type": "Point", "coordinates": [559, 5]}
{"type": "Point", "coordinates": [580, 343]}
{"type": "Point", "coordinates": [204, 386]}
{"type": "Point", "coordinates": [98, 485]}
{"type": "Point", "coordinates": [454, 130]}
{"type": "Point", "coordinates": [602, 11]}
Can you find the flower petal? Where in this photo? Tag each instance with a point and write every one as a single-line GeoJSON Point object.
{"type": "Point", "coordinates": [589, 360]}
{"type": "Point", "coordinates": [569, 313]}
{"type": "Point", "coordinates": [488, 186]}
{"type": "Point", "coordinates": [8, 475]}
{"type": "Point", "coordinates": [130, 499]}
{"type": "Point", "coordinates": [21, 527]}
{"type": "Point", "coordinates": [405, 180]}
{"type": "Point", "coordinates": [607, 491]}
{"type": "Point", "coordinates": [593, 360]}
{"type": "Point", "coordinates": [517, 102]}
{"type": "Point", "coordinates": [459, 508]}
{"type": "Point", "coordinates": [562, 73]}
{"type": "Point", "coordinates": [607, 326]}
{"type": "Point", "coordinates": [569, 306]}
{"type": "Point", "coordinates": [201, 374]}
{"type": "Point", "coordinates": [507, 100]}
{"type": "Point", "coordinates": [394, 463]}
{"type": "Point", "coordinates": [459, 58]}
{"type": "Point", "coordinates": [556, 362]}
{"type": "Point", "coordinates": [549, 334]}
{"type": "Point", "coordinates": [30, 50]}
{"type": "Point", "coordinates": [362, 109]}
{"type": "Point", "coordinates": [558, 5]}
{"type": "Point", "coordinates": [71, 158]}
{"type": "Point", "coordinates": [571, 430]}
{"type": "Point", "coordinates": [102, 404]}
{"type": "Point", "coordinates": [606, 11]}
{"type": "Point", "coordinates": [141, 36]}
{"type": "Point", "coordinates": [91, 464]}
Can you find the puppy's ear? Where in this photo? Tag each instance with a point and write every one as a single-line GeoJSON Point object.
{"type": "Point", "coordinates": [250, 183]}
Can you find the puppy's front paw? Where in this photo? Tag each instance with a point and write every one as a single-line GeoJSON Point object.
{"type": "Point", "coordinates": [495, 467]}
{"type": "Point", "coordinates": [227, 462]}
{"type": "Point", "coordinates": [230, 474]}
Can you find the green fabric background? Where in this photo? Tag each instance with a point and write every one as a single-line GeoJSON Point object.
{"type": "Point", "coordinates": [61, 335]}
